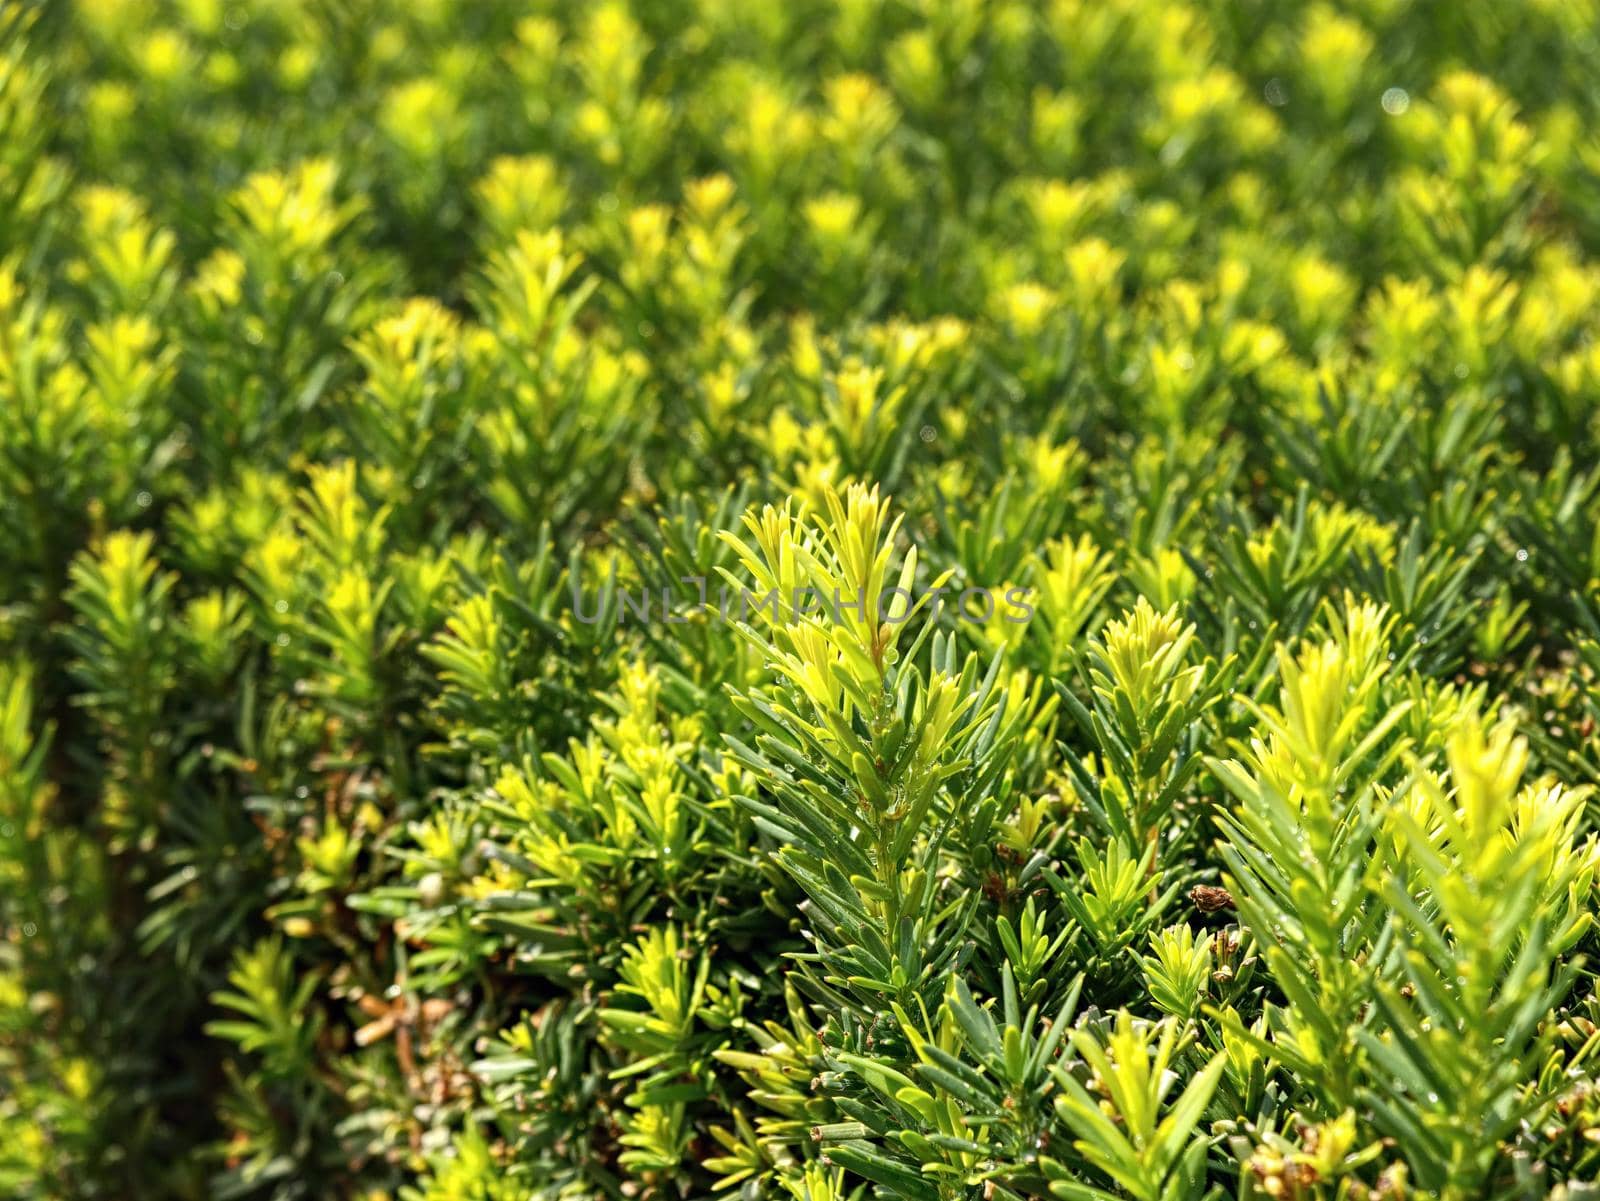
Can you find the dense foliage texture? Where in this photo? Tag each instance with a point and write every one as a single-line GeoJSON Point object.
{"type": "Point", "coordinates": [394, 805]}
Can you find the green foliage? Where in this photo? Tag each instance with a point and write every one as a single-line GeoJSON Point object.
{"type": "Point", "coordinates": [943, 601]}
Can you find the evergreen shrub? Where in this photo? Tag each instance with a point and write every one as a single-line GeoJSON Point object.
{"type": "Point", "coordinates": [947, 600]}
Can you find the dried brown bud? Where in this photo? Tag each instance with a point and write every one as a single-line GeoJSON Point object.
{"type": "Point", "coordinates": [1209, 899]}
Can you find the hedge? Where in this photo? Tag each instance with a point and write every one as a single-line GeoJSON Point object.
{"type": "Point", "coordinates": [947, 600]}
